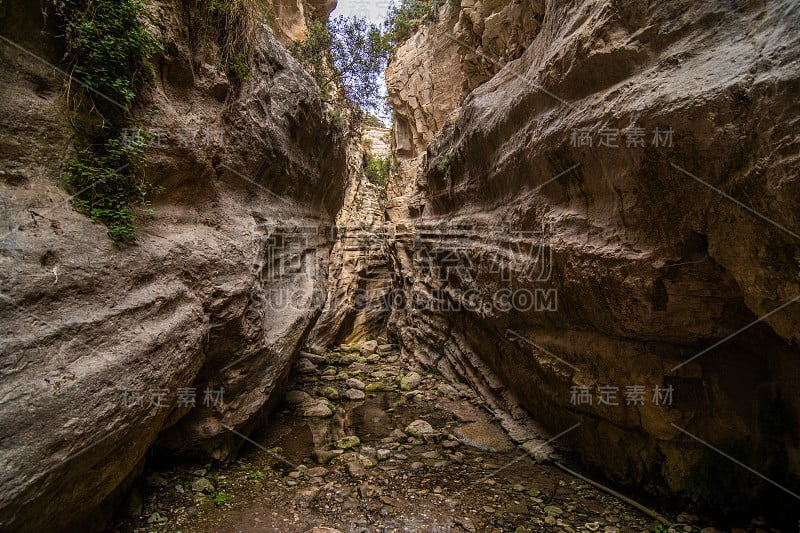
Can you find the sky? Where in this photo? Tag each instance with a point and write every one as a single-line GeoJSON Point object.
{"type": "Point", "coordinates": [373, 10]}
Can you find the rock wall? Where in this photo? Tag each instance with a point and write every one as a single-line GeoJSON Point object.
{"type": "Point", "coordinates": [436, 68]}
{"type": "Point", "coordinates": [614, 208]}
{"type": "Point", "coordinates": [289, 18]}
{"type": "Point", "coordinates": [360, 276]}
{"type": "Point", "coordinates": [106, 348]}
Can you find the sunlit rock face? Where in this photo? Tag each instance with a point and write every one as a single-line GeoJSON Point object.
{"type": "Point", "coordinates": [190, 333]}
{"type": "Point", "coordinates": [290, 18]}
{"type": "Point", "coordinates": [606, 207]}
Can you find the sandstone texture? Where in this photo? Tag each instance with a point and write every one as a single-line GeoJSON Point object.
{"type": "Point", "coordinates": [536, 262]}
{"type": "Point", "coordinates": [360, 274]}
{"type": "Point", "coordinates": [228, 276]}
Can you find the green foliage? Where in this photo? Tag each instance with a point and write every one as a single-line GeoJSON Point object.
{"type": "Point", "coordinates": [443, 166]}
{"type": "Point", "coordinates": [336, 119]}
{"type": "Point", "coordinates": [347, 58]}
{"type": "Point", "coordinates": [407, 17]}
{"type": "Point", "coordinates": [359, 54]}
{"type": "Point", "coordinates": [221, 498]}
{"type": "Point", "coordinates": [254, 475]}
{"type": "Point", "coordinates": [109, 45]}
{"type": "Point", "coordinates": [378, 169]}
{"type": "Point", "coordinates": [111, 53]}
{"type": "Point", "coordinates": [107, 179]}
{"type": "Point", "coordinates": [238, 68]}
{"type": "Point", "coordinates": [314, 54]}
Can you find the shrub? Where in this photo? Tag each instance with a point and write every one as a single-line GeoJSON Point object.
{"type": "Point", "coordinates": [109, 46]}
{"type": "Point", "coordinates": [378, 169]}
{"type": "Point", "coordinates": [408, 16]}
{"type": "Point", "coordinates": [110, 52]}
{"type": "Point", "coordinates": [108, 181]}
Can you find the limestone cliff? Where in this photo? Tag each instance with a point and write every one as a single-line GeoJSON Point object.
{"type": "Point", "coordinates": [360, 275]}
{"type": "Point", "coordinates": [108, 349]}
{"type": "Point", "coordinates": [615, 208]}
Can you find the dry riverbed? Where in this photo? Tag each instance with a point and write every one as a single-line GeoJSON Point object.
{"type": "Point", "coordinates": [370, 442]}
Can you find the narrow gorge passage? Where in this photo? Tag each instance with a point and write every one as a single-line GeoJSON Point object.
{"type": "Point", "coordinates": [403, 451]}
{"type": "Point", "coordinates": [461, 265]}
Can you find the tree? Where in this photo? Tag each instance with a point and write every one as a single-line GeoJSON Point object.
{"type": "Point", "coordinates": [360, 52]}
{"type": "Point", "coordinates": [347, 57]}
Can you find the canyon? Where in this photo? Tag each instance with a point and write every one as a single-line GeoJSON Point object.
{"type": "Point", "coordinates": [590, 231]}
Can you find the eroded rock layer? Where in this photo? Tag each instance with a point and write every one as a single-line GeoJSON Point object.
{"type": "Point", "coordinates": [360, 275]}
{"type": "Point", "coordinates": [186, 337]}
{"type": "Point", "coordinates": [613, 212]}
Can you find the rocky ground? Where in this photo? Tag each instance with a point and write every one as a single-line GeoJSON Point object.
{"type": "Point", "coordinates": [369, 441]}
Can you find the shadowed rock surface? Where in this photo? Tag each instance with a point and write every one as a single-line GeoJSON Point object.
{"type": "Point", "coordinates": [633, 261]}
{"type": "Point", "coordinates": [254, 177]}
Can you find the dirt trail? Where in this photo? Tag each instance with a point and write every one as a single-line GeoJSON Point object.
{"type": "Point", "coordinates": [426, 458]}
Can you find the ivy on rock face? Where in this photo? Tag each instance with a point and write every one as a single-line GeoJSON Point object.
{"type": "Point", "coordinates": [109, 45]}
{"type": "Point", "coordinates": [110, 52]}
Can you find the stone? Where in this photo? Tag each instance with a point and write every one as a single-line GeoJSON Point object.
{"type": "Point", "coordinates": [410, 381]}
{"type": "Point", "coordinates": [171, 310]}
{"type": "Point", "coordinates": [354, 383]}
{"type": "Point", "coordinates": [202, 484]}
{"type": "Point", "coordinates": [297, 397]}
{"type": "Point", "coordinates": [346, 443]}
{"type": "Point", "coordinates": [367, 491]}
{"type": "Point", "coordinates": [157, 518]}
{"type": "Point", "coordinates": [484, 436]}
{"type": "Point", "coordinates": [538, 450]}
{"type": "Point", "coordinates": [419, 428]}
{"type": "Point", "coordinates": [331, 393]}
{"type": "Point", "coordinates": [354, 394]}
{"type": "Point", "coordinates": [323, 529]}
{"type": "Point", "coordinates": [317, 359]}
{"type": "Point", "coordinates": [368, 348]}
{"type": "Point", "coordinates": [553, 510]}
{"type": "Point", "coordinates": [322, 456]}
{"type": "Point", "coordinates": [356, 470]}
{"type": "Point", "coordinates": [317, 471]}
{"type": "Point", "coordinates": [448, 390]}
{"type": "Point", "coordinates": [315, 410]}
{"type": "Point", "coordinates": [382, 454]}
{"type": "Point", "coordinates": [374, 387]}
{"type": "Point", "coordinates": [385, 348]}
{"type": "Point", "coordinates": [460, 122]}
{"type": "Point", "coordinates": [304, 366]}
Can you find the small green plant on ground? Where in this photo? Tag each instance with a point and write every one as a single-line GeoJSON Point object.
{"type": "Point", "coordinates": [254, 475]}
{"type": "Point", "coordinates": [221, 498]}
{"type": "Point", "coordinates": [110, 52]}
